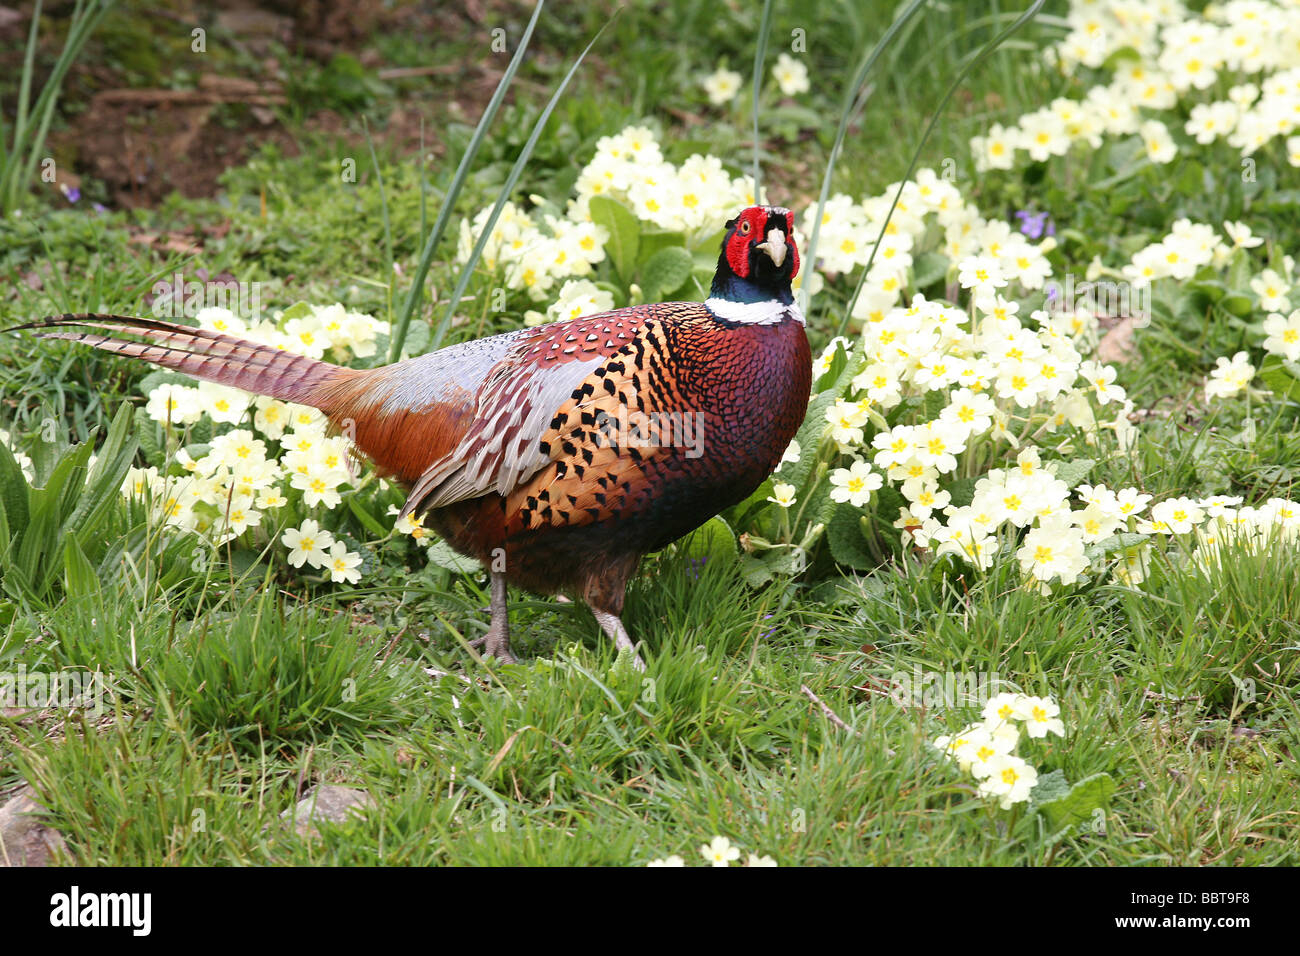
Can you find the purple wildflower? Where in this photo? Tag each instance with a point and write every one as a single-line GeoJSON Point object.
{"type": "Point", "coordinates": [1035, 225]}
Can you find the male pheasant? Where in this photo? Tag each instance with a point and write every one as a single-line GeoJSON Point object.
{"type": "Point", "coordinates": [556, 455]}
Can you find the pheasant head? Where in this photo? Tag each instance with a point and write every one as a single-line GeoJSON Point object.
{"type": "Point", "coordinates": [758, 260]}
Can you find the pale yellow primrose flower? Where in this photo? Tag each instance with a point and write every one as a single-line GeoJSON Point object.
{"type": "Point", "coordinates": [719, 851]}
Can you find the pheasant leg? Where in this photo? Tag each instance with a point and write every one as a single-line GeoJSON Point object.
{"type": "Point", "coordinates": [497, 640]}
{"type": "Point", "coordinates": [613, 627]}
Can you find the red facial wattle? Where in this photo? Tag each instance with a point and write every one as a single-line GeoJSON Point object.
{"type": "Point", "coordinates": [749, 224]}
{"type": "Point", "coordinates": [750, 227]}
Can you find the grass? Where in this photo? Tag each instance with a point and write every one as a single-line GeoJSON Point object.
{"type": "Point", "coordinates": [562, 761]}
{"type": "Point", "coordinates": [237, 689]}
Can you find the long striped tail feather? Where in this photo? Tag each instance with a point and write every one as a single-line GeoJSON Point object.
{"type": "Point", "coordinates": [203, 354]}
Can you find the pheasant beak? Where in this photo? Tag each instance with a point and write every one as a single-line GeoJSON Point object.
{"type": "Point", "coordinates": [775, 246]}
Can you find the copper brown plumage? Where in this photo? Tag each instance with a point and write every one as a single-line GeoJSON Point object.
{"type": "Point", "coordinates": [558, 455]}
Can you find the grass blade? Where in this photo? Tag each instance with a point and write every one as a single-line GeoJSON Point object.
{"type": "Point", "coordinates": [468, 271]}
{"type": "Point", "coordinates": [15, 170]}
{"type": "Point", "coordinates": [458, 180]}
{"type": "Point", "coordinates": [760, 53]}
{"type": "Point", "coordinates": [850, 97]}
{"type": "Point", "coordinates": [25, 86]}
{"type": "Point", "coordinates": [983, 54]}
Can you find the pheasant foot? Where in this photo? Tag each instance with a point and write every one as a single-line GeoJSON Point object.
{"type": "Point", "coordinates": [496, 641]}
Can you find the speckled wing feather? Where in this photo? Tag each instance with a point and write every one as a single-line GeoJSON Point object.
{"type": "Point", "coordinates": [593, 466]}
{"type": "Point", "coordinates": [542, 371]}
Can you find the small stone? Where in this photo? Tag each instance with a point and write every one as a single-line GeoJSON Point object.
{"type": "Point", "coordinates": [330, 803]}
{"type": "Point", "coordinates": [1116, 346]}
{"type": "Point", "coordinates": [24, 839]}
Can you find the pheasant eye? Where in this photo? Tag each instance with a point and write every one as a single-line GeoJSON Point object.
{"type": "Point", "coordinates": [744, 227]}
